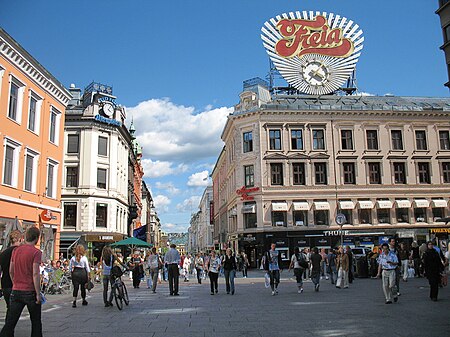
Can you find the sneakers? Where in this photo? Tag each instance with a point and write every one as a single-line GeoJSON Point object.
{"type": "Point", "coordinates": [276, 291]}
{"type": "Point", "coordinates": [74, 304]}
{"type": "Point", "coordinates": [232, 292]}
{"type": "Point", "coordinates": [395, 299]}
{"type": "Point", "coordinates": [316, 287]}
{"type": "Point", "coordinates": [300, 290]}
{"type": "Point", "coordinates": [212, 292]}
{"type": "Point", "coordinates": [84, 302]}
{"type": "Point", "coordinates": [273, 293]}
{"type": "Point", "coordinates": [388, 302]}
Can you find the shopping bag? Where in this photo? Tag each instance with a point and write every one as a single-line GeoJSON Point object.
{"type": "Point", "coordinates": [267, 280]}
{"type": "Point", "coordinates": [411, 272]}
{"type": "Point", "coordinates": [444, 280]}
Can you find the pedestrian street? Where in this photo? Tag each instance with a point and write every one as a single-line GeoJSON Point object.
{"type": "Point", "coordinates": [251, 312]}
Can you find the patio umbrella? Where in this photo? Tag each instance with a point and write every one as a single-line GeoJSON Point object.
{"type": "Point", "coordinates": [132, 243]}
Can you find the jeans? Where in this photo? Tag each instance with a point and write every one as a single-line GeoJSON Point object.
{"type": "Point", "coordinates": [405, 269]}
{"type": "Point", "coordinates": [154, 276]}
{"type": "Point", "coordinates": [20, 299]}
{"type": "Point", "coordinates": [332, 273]}
{"type": "Point", "coordinates": [174, 274]}
{"type": "Point", "coordinates": [213, 279]}
{"type": "Point", "coordinates": [389, 289]}
{"type": "Point", "coordinates": [107, 279]}
{"type": "Point", "coordinates": [79, 280]}
{"type": "Point", "coordinates": [199, 275]}
{"type": "Point", "coordinates": [315, 277]}
{"type": "Point", "coordinates": [244, 270]}
{"type": "Point", "coordinates": [342, 278]}
{"type": "Point", "coordinates": [274, 279]}
{"type": "Point", "coordinates": [229, 280]}
{"type": "Point", "coordinates": [298, 272]}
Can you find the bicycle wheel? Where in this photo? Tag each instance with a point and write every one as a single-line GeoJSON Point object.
{"type": "Point", "coordinates": [125, 294]}
{"type": "Point", "coordinates": [118, 294]}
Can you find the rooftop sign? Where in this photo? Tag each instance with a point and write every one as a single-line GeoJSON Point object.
{"type": "Point", "coordinates": [314, 52]}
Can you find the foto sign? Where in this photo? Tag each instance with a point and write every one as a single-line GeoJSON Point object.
{"type": "Point", "coordinates": [314, 52]}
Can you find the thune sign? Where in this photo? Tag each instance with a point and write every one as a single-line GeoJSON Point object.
{"type": "Point", "coordinates": [314, 52]}
{"type": "Point", "coordinates": [335, 233]}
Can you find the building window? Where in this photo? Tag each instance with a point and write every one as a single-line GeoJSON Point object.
{"type": "Point", "coordinates": [446, 172]}
{"type": "Point", "coordinates": [320, 172]}
{"type": "Point", "coordinates": [15, 100]}
{"type": "Point", "coordinates": [365, 216]}
{"type": "Point", "coordinates": [30, 171]}
{"type": "Point", "coordinates": [347, 139]}
{"type": "Point", "coordinates": [321, 217]}
{"type": "Point", "coordinates": [101, 215]}
{"type": "Point", "coordinates": [298, 171]}
{"type": "Point", "coordinates": [55, 116]}
{"type": "Point", "coordinates": [279, 218]}
{"type": "Point", "coordinates": [275, 139]}
{"type": "Point", "coordinates": [372, 139]}
{"type": "Point", "coordinates": [348, 216]}
{"type": "Point", "coordinates": [421, 140]}
{"type": "Point", "coordinates": [318, 139]}
{"type": "Point", "coordinates": [70, 214]}
{"type": "Point", "coordinates": [374, 173]}
{"type": "Point", "coordinates": [399, 173]}
{"type": "Point", "coordinates": [102, 146]}
{"type": "Point", "coordinates": [300, 218]}
{"type": "Point", "coordinates": [424, 173]}
{"type": "Point", "coordinates": [72, 176]}
{"type": "Point", "coordinates": [438, 213]}
{"type": "Point", "coordinates": [73, 144]}
{"type": "Point", "coordinates": [384, 215]}
{"type": "Point", "coordinates": [420, 214]}
{"type": "Point", "coordinates": [249, 176]}
{"type": "Point", "coordinates": [276, 173]}
{"type": "Point", "coordinates": [297, 139]}
{"type": "Point", "coordinates": [101, 178]}
{"type": "Point", "coordinates": [248, 142]}
{"type": "Point", "coordinates": [397, 140]}
{"type": "Point", "coordinates": [349, 173]}
{"type": "Point", "coordinates": [32, 112]}
{"type": "Point", "coordinates": [444, 140]}
{"type": "Point", "coordinates": [11, 162]}
{"type": "Point", "coordinates": [250, 220]}
{"type": "Point", "coordinates": [52, 175]}
{"type": "Point", "coordinates": [402, 214]}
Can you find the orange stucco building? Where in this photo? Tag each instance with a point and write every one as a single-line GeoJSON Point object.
{"type": "Point", "coordinates": [32, 105]}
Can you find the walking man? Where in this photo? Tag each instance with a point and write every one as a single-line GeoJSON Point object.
{"type": "Point", "coordinates": [173, 259]}
{"type": "Point", "coordinates": [393, 248]}
{"type": "Point", "coordinates": [316, 261]}
{"type": "Point", "coordinates": [272, 263]}
{"type": "Point", "coordinates": [24, 271]}
{"type": "Point", "coordinates": [387, 264]}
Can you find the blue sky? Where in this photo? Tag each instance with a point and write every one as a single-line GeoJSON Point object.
{"type": "Point", "coordinates": [178, 67]}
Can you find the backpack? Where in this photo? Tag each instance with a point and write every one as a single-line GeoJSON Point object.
{"type": "Point", "coordinates": [302, 261]}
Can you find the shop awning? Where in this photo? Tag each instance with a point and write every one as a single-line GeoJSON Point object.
{"type": "Point", "coordinates": [279, 206]}
{"type": "Point", "coordinates": [248, 209]}
{"type": "Point", "coordinates": [346, 205]}
{"type": "Point", "coordinates": [300, 206]}
{"type": "Point", "coordinates": [438, 203]}
{"type": "Point", "coordinates": [365, 204]}
{"type": "Point", "coordinates": [384, 204]}
{"type": "Point", "coordinates": [321, 205]}
{"type": "Point", "coordinates": [421, 203]}
{"type": "Point", "coordinates": [403, 203]}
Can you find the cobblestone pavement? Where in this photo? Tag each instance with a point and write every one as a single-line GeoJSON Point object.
{"type": "Point", "coordinates": [251, 312]}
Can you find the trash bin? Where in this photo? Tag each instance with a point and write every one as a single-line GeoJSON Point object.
{"type": "Point", "coordinates": [362, 267]}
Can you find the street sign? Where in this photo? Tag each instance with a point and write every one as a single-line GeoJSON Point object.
{"type": "Point", "coordinates": [341, 219]}
{"type": "Point", "coordinates": [46, 215]}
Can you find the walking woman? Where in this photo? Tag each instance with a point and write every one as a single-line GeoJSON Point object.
{"type": "Point", "coordinates": [342, 265]}
{"type": "Point", "coordinates": [433, 268]}
{"type": "Point", "coordinates": [107, 261]}
{"type": "Point", "coordinates": [198, 262]}
{"type": "Point", "coordinates": [137, 269]}
{"type": "Point", "coordinates": [296, 259]}
{"type": "Point", "coordinates": [79, 267]}
{"type": "Point", "coordinates": [229, 267]}
{"type": "Point", "coordinates": [154, 263]}
{"type": "Point", "coordinates": [213, 268]}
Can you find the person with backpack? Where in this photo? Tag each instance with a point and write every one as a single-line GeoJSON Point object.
{"type": "Point", "coordinates": [298, 262]}
{"type": "Point", "coordinates": [107, 261]}
{"type": "Point", "coordinates": [154, 264]}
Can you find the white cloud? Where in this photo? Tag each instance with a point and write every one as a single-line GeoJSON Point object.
{"type": "Point", "coordinates": [162, 203]}
{"type": "Point", "coordinates": [170, 132]}
{"type": "Point", "coordinates": [174, 228]}
{"type": "Point", "coordinates": [189, 205]}
{"type": "Point", "coordinates": [157, 168]}
{"type": "Point", "coordinates": [363, 93]}
{"type": "Point", "coordinates": [168, 187]}
{"type": "Point", "coordinates": [198, 179]}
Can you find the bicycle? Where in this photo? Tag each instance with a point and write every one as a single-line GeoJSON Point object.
{"type": "Point", "coordinates": [119, 289]}
{"type": "Point", "coordinates": [58, 283]}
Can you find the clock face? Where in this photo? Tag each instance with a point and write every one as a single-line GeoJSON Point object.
{"type": "Point", "coordinates": [315, 73]}
{"type": "Point", "coordinates": [108, 109]}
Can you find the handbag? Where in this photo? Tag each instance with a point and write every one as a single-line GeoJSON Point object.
{"type": "Point", "coordinates": [89, 285]}
{"type": "Point", "coordinates": [444, 280]}
{"type": "Point", "coordinates": [267, 280]}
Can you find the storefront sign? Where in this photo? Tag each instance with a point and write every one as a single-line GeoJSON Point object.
{"type": "Point", "coordinates": [108, 121]}
{"type": "Point", "coordinates": [243, 192]}
{"type": "Point", "coordinates": [249, 238]}
{"type": "Point", "coordinates": [336, 233]}
{"type": "Point", "coordinates": [439, 230]}
{"type": "Point", "coordinates": [314, 52]}
{"type": "Point", "coordinates": [46, 215]}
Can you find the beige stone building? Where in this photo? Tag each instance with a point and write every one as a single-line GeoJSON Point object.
{"type": "Point", "coordinates": [291, 164]}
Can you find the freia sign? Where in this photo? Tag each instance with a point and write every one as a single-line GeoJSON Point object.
{"type": "Point", "coordinates": [315, 52]}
